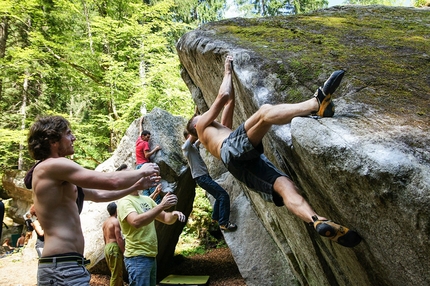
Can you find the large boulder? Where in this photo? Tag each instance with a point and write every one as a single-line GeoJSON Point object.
{"type": "Point", "coordinates": [367, 167]}
{"type": "Point", "coordinates": [22, 198]}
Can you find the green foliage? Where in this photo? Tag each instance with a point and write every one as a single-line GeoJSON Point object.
{"type": "Point", "coordinates": [195, 237]}
{"type": "Point", "coordinates": [421, 3]}
{"type": "Point", "coordinates": [197, 11]}
{"type": "Point", "coordinates": [97, 62]}
{"type": "Point", "coordinates": [375, 2]}
{"type": "Point", "coordinates": [256, 8]}
{"type": "Point", "coordinates": [10, 140]}
{"type": "Point", "coordinates": [189, 250]}
{"type": "Point", "coordinates": [200, 218]}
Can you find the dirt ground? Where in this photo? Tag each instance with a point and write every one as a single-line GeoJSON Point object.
{"type": "Point", "coordinates": [19, 270]}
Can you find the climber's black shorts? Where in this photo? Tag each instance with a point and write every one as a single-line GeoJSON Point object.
{"type": "Point", "coordinates": [249, 165]}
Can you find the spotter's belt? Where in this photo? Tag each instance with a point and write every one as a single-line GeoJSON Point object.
{"type": "Point", "coordinates": [78, 259]}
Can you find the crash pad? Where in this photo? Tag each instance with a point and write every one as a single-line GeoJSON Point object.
{"type": "Point", "coordinates": [184, 280]}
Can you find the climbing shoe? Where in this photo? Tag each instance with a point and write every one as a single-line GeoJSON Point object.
{"type": "Point", "coordinates": [324, 93]}
{"type": "Point", "coordinates": [228, 227]}
{"type": "Point", "coordinates": [336, 232]}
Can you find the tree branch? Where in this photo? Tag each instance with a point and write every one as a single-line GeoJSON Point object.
{"type": "Point", "coordinates": [76, 67]}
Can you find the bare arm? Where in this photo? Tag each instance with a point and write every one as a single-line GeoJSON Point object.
{"type": "Point", "coordinates": [156, 192]}
{"type": "Point", "coordinates": [106, 196]}
{"type": "Point", "coordinates": [193, 140]}
{"type": "Point", "coordinates": [63, 169]}
{"type": "Point", "coordinates": [38, 228]}
{"type": "Point", "coordinates": [171, 217]}
{"type": "Point", "coordinates": [150, 153]}
{"type": "Point", "coordinates": [225, 99]}
{"type": "Point", "coordinates": [168, 217]}
{"type": "Point", "coordinates": [118, 236]}
{"type": "Point", "coordinates": [227, 86]}
{"type": "Point", "coordinates": [139, 220]}
{"type": "Point", "coordinates": [141, 124]}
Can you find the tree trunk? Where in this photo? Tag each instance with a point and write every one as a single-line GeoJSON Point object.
{"type": "Point", "coordinates": [263, 8]}
{"type": "Point", "coordinates": [23, 118]}
{"type": "Point", "coordinates": [88, 26]}
{"type": "Point", "coordinates": [3, 40]}
{"type": "Point", "coordinates": [142, 67]}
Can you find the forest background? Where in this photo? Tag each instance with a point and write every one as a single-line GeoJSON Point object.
{"type": "Point", "coordinates": [103, 63]}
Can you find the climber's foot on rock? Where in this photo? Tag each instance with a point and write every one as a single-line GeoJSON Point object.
{"type": "Point", "coordinates": [324, 93]}
{"type": "Point", "coordinates": [336, 232]}
{"type": "Point", "coordinates": [228, 227]}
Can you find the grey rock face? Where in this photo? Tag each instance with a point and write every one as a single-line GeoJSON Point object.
{"type": "Point", "coordinates": [13, 184]}
{"type": "Point", "coordinates": [366, 168]}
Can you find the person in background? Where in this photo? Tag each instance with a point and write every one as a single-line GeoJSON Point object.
{"type": "Point", "coordinates": [200, 173]}
{"type": "Point", "coordinates": [136, 215]}
{"type": "Point", "coordinates": [7, 245]}
{"type": "Point", "coordinates": [144, 153]}
{"type": "Point", "coordinates": [2, 217]}
{"type": "Point", "coordinates": [20, 241]}
{"type": "Point", "coordinates": [114, 246]}
{"type": "Point", "coordinates": [29, 227]}
{"type": "Point", "coordinates": [60, 187]}
{"type": "Point", "coordinates": [40, 240]}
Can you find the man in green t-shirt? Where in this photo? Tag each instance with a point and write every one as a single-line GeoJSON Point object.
{"type": "Point", "coordinates": [136, 215]}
